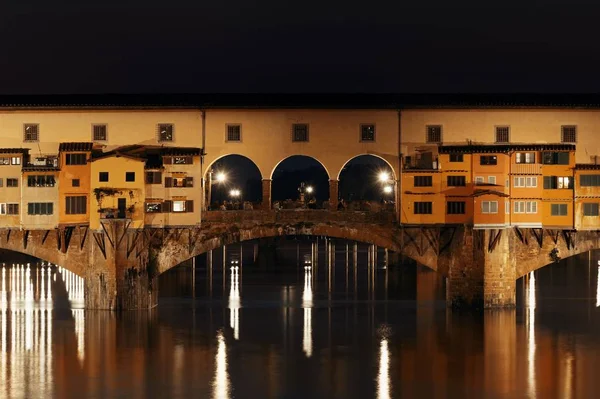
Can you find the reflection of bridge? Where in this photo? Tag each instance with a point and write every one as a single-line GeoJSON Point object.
{"type": "Point", "coordinates": [120, 264]}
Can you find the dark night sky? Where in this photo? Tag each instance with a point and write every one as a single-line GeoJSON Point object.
{"type": "Point", "coordinates": [68, 46]}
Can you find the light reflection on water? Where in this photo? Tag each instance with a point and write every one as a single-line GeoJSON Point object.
{"type": "Point", "coordinates": [323, 344]}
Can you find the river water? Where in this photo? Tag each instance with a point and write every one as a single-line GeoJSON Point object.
{"type": "Point", "coordinates": [296, 331]}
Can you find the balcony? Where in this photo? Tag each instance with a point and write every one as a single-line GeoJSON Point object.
{"type": "Point", "coordinates": [421, 164]}
{"type": "Point", "coordinates": [526, 169]}
{"type": "Point", "coordinates": [41, 163]}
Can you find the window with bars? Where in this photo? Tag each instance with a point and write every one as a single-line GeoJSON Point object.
{"type": "Point", "coordinates": [299, 132]}
{"type": "Point", "coordinates": [591, 209]}
{"type": "Point", "coordinates": [234, 132]}
{"type": "Point", "coordinates": [40, 208]}
{"type": "Point", "coordinates": [76, 159]}
{"type": "Point", "coordinates": [76, 205]}
{"type": "Point", "coordinates": [455, 207]}
{"type": "Point", "coordinates": [423, 181]}
{"type": "Point", "coordinates": [456, 181]}
{"type": "Point", "coordinates": [569, 134]}
{"type": "Point", "coordinates": [99, 133]}
{"type": "Point", "coordinates": [31, 132]}
{"type": "Point", "coordinates": [502, 134]}
{"type": "Point", "coordinates": [434, 133]}
{"type": "Point", "coordinates": [558, 209]}
{"type": "Point", "coordinates": [423, 208]}
{"type": "Point", "coordinates": [367, 132]}
{"type": "Point", "coordinates": [165, 132]}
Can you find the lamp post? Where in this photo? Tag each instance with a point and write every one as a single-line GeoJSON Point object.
{"type": "Point", "coordinates": [221, 177]}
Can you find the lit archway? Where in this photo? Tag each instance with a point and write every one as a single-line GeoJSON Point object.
{"type": "Point", "coordinates": [292, 172]}
{"type": "Point", "coordinates": [233, 178]}
{"type": "Point", "coordinates": [367, 178]}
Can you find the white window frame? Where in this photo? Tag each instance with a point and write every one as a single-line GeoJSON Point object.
{"type": "Point", "coordinates": [490, 205]}
{"type": "Point", "coordinates": [562, 182]}
{"type": "Point", "coordinates": [492, 180]}
{"type": "Point", "coordinates": [519, 182]}
{"type": "Point", "coordinates": [531, 181]}
{"type": "Point", "coordinates": [531, 207]}
{"type": "Point", "coordinates": [479, 180]}
{"type": "Point", "coordinates": [3, 208]}
{"type": "Point", "coordinates": [519, 207]}
{"type": "Point", "coordinates": [180, 206]}
{"type": "Point", "coordinates": [507, 207]}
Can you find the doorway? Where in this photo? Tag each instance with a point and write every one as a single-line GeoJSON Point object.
{"type": "Point", "coordinates": [122, 207]}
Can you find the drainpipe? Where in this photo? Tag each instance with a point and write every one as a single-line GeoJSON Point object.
{"type": "Point", "coordinates": [203, 132]}
{"type": "Point", "coordinates": [399, 185]}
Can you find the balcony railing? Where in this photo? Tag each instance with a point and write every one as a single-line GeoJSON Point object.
{"type": "Point", "coordinates": [421, 164]}
{"type": "Point", "coordinates": [526, 169]}
{"type": "Point", "coordinates": [49, 162]}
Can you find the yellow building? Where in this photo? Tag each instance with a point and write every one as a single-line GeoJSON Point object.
{"type": "Point", "coordinates": [74, 188]}
{"type": "Point", "coordinates": [117, 189]}
{"type": "Point", "coordinates": [11, 161]}
{"type": "Point", "coordinates": [587, 197]}
{"type": "Point", "coordinates": [39, 193]}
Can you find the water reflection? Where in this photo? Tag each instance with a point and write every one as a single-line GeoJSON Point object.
{"type": "Point", "coordinates": [383, 378]}
{"type": "Point", "coordinates": [598, 288]}
{"type": "Point", "coordinates": [531, 301]}
{"type": "Point", "coordinates": [221, 384]}
{"type": "Point", "coordinates": [234, 302]}
{"type": "Point", "coordinates": [307, 303]}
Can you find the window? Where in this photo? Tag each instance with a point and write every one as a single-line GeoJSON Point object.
{"type": "Point", "coordinates": [456, 181]}
{"type": "Point", "coordinates": [182, 160]}
{"type": "Point", "coordinates": [531, 182]}
{"type": "Point", "coordinates": [434, 134]}
{"type": "Point", "coordinates": [423, 208]}
{"type": "Point", "coordinates": [531, 207]}
{"type": "Point", "coordinates": [455, 207]}
{"type": "Point", "coordinates": [41, 181]}
{"type": "Point", "coordinates": [2, 209]}
{"type": "Point", "coordinates": [558, 209]}
{"type": "Point", "coordinates": [568, 134]}
{"type": "Point", "coordinates": [519, 182]}
{"type": "Point", "coordinates": [12, 209]}
{"type": "Point", "coordinates": [555, 158]}
{"type": "Point", "coordinates": [589, 180]}
{"type": "Point", "coordinates": [75, 183]}
{"type": "Point", "coordinates": [502, 134]}
{"type": "Point", "coordinates": [591, 209]}
{"type": "Point", "coordinates": [40, 208]}
{"type": "Point", "coordinates": [76, 205]}
{"type": "Point", "coordinates": [1, 182]}
{"type": "Point", "coordinates": [299, 132]}
{"type": "Point", "coordinates": [76, 159]}
{"type": "Point", "coordinates": [15, 160]}
{"type": "Point", "coordinates": [492, 180]}
{"type": "Point", "coordinates": [525, 157]}
{"type": "Point", "coordinates": [153, 177]}
{"type": "Point", "coordinates": [103, 176]}
{"type": "Point", "coordinates": [99, 132]}
{"type": "Point", "coordinates": [557, 182]}
{"type": "Point", "coordinates": [479, 180]}
{"type": "Point", "coordinates": [31, 132]}
{"type": "Point", "coordinates": [11, 182]}
{"type": "Point", "coordinates": [367, 132]}
{"type": "Point", "coordinates": [507, 183]}
{"type": "Point", "coordinates": [507, 207]}
{"type": "Point", "coordinates": [4, 161]}
{"type": "Point", "coordinates": [153, 207]}
{"type": "Point", "coordinates": [165, 132]}
{"type": "Point", "coordinates": [178, 206]}
{"type": "Point", "coordinates": [130, 176]}
{"type": "Point", "coordinates": [489, 207]}
{"type": "Point", "coordinates": [423, 181]}
{"type": "Point", "coordinates": [234, 132]}
{"type": "Point", "coordinates": [519, 207]}
{"type": "Point", "coordinates": [456, 157]}
{"type": "Point", "coordinates": [488, 160]}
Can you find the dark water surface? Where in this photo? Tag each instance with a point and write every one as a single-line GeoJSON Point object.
{"type": "Point", "coordinates": [291, 332]}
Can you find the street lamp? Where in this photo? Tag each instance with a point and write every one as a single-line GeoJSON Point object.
{"type": "Point", "coordinates": [309, 189]}
{"type": "Point", "coordinates": [388, 189]}
{"type": "Point", "coordinates": [384, 177]}
{"type": "Point", "coordinates": [235, 193]}
{"type": "Point", "coordinates": [221, 177]}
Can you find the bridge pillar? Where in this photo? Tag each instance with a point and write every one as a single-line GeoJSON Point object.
{"type": "Point", "coordinates": [333, 194]}
{"type": "Point", "coordinates": [266, 194]}
{"type": "Point", "coordinates": [482, 269]}
{"type": "Point", "coordinates": [121, 273]}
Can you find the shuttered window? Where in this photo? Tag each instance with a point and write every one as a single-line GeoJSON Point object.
{"type": "Point", "coordinates": [40, 208]}
{"type": "Point", "coordinates": [153, 177]}
{"type": "Point", "coordinates": [423, 181]}
{"type": "Point", "coordinates": [423, 208]}
{"type": "Point", "coordinates": [558, 209]}
{"type": "Point", "coordinates": [455, 207]}
{"type": "Point", "coordinates": [456, 181]}
{"type": "Point", "coordinates": [76, 205]}
{"type": "Point", "coordinates": [590, 209]}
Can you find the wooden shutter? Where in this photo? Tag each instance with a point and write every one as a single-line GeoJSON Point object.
{"type": "Point", "coordinates": [168, 182]}
{"type": "Point", "coordinates": [167, 206]}
{"type": "Point", "coordinates": [189, 206]}
{"type": "Point", "coordinates": [189, 182]}
{"type": "Point", "coordinates": [167, 160]}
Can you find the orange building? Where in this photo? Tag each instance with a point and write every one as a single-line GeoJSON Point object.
{"type": "Point", "coordinates": [74, 188]}
{"type": "Point", "coordinates": [587, 197]}
{"type": "Point", "coordinates": [422, 200]}
{"type": "Point", "coordinates": [558, 166]}
{"type": "Point", "coordinates": [525, 185]}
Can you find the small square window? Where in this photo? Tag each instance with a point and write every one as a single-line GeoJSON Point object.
{"type": "Point", "coordinates": [502, 134]}
{"type": "Point", "coordinates": [434, 133]}
{"type": "Point", "coordinates": [299, 132]}
{"type": "Point", "coordinates": [12, 182]}
{"type": "Point", "coordinates": [75, 183]}
{"type": "Point", "coordinates": [234, 132]}
{"type": "Point", "coordinates": [165, 132]}
{"type": "Point", "coordinates": [178, 206]}
{"type": "Point", "coordinates": [456, 157]}
{"type": "Point", "coordinates": [103, 176]}
{"type": "Point", "coordinates": [569, 134]}
{"type": "Point", "coordinates": [99, 132]}
{"type": "Point", "coordinates": [31, 132]}
{"type": "Point", "coordinates": [130, 176]}
{"type": "Point", "coordinates": [367, 132]}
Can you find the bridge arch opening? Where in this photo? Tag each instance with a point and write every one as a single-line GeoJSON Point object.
{"type": "Point", "coordinates": [299, 178]}
{"type": "Point", "coordinates": [367, 177]}
{"type": "Point", "coordinates": [233, 180]}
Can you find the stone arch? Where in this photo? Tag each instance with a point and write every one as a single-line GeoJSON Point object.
{"type": "Point", "coordinates": [52, 255]}
{"type": "Point", "coordinates": [247, 178]}
{"type": "Point", "coordinates": [394, 174]}
{"type": "Point", "coordinates": [299, 155]}
{"type": "Point", "coordinates": [366, 187]}
{"type": "Point", "coordinates": [220, 157]}
{"type": "Point", "coordinates": [321, 181]}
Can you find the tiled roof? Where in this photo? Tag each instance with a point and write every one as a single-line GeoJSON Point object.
{"type": "Point", "coordinates": [35, 168]}
{"type": "Point", "coordinates": [180, 151]}
{"type": "Point", "coordinates": [587, 166]}
{"type": "Point", "coordinates": [14, 150]}
{"type": "Point", "coordinates": [117, 154]}
{"type": "Point", "coordinates": [503, 148]}
{"type": "Point", "coordinates": [75, 147]}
